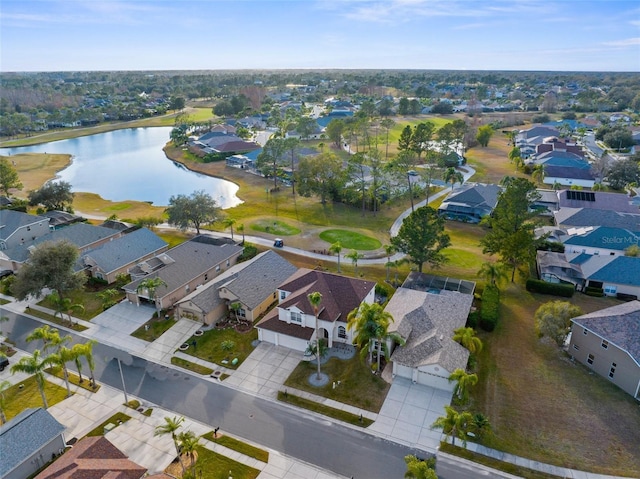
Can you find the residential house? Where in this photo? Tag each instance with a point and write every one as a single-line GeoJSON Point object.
{"type": "Point", "coordinates": [95, 458]}
{"type": "Point", "coordinates": [470, 203]}
{"type": "Point", "coordinates": [608, 342]}
{"type": "Point", "coordinates": [426, 311]}
{"type": "Point", "coordinates": [60, 219]}
{"type": "Point", "coordinates": [615, 275]}
{"type": "Point", "coordinates": [527, 140]}
{"type": "Point", "coordinates": [547, 202]}
{"type": "Point", "coordinates": [16, 228]}
{"type": "Point", "coordinates": [581, 217]}
{"type": "Point", "coordinates": [292, 322]}
{"type": "Point", "coordinates": [598, 200]}
{"type": "Point", "coordinates": [84, 236]}
{"type": "Point", "coordinates": [600, 240]}
{"type": "Point", "coordinates": [116, 257]}
{"type": "Point", "coordinates": [28, 442]}
{"type": "Point", "coordinates": [252, 284]}
{"type": "Point", "coordinates": [183, 269]}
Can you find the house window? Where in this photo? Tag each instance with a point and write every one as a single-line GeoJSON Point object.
{"type": "Point", "coordinates": [242, 313]}
{"type": "Point", "coordinates": [296, 317]}
{"type": "Point", "coordinates": [576, 347]}
{"type": "Point", "coordinates": [206, 277]}
{"type": "Point", "coordinates": [605, 344]}
{"type": "Point", "coordinates": [610, 289]}
{"type": "Point", "coordinates": [584, 331]}
{"type": "Point", "coordinates": [342, 332]}
{"type": "Point", "coordinates": [283, 295]}
{"type": "Point", "coordinates": [612, 370]}
{"type": "Point", "coordinates": [227, 262]}
{"type": "Point", "coordinates": [218, 269]}
{"type": "Point", "coordinates": [590, 358]}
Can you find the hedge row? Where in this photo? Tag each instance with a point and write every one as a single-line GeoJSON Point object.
{"type": "Point", "coordinates": [490, 310]}
{"type": "Point", "coordinates": [557, 289]}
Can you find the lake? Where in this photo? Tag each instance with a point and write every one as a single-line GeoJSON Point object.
{"type": "Point", "coordinates": [130, 165]}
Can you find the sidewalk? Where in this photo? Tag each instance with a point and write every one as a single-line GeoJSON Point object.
{"type": "Point", "coordinates": [405, 417]}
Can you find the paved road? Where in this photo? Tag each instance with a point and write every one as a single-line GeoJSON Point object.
{"type": "Point", "coordinates": [318, 441]}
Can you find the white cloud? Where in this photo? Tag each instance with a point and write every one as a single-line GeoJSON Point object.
{"type": "Point", "coordinates": [627, 42]}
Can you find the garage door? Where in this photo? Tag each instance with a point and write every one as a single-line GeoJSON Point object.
{"type": "Point", "coordinates": [434, 381]}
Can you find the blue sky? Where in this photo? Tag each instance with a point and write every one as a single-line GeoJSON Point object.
{"type": "Point", "coordinates": [562, 35]}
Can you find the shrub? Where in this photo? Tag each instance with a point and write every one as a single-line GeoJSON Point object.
{"type": "Point", "coordinates": [626, 297]}
{"type": "Point", "coordinates": [557, 289]}
{"type": "Point", "coordinates": [249, 252]}
{"type": "Point", "coordinates": [490, 308]}
{"type": "Point", "coordinates": [596, 292]}
{"type": "Point", "coordinates": [472, 320]}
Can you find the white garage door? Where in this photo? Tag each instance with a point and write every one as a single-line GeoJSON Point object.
{"type": "Point", "coordinates": [434, 381]}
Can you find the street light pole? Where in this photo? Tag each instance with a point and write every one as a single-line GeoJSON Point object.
{"type": "Point", "coordinates": [124, 389]}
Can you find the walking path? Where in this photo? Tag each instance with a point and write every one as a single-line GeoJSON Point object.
{"type": "Point", "coordinates": [405, 417]}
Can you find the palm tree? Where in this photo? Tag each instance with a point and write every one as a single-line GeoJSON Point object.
{"type": "Point", "coordinates": [170, 426]}
{"type": "Point", "coordinates": [189, 443]}
{"type": "Point", "coordinates": [389, 249]}
{"type": "Point", "coordinates": [314, 299]}
{"type": "Point", "coordinates": [453, 176]}
{"type": "Point", "coordinates": [44, 333]}
{"type": "Point", "coordinates": [454, 424]}
{"type": "Point", "coordinates": [537, 174]}
{"type": "Point", "coordinates": [481, 425]}
{"type": "Point", "coordinates": [236, 307]}
{"type": "Point", "coordinates": [78, 353]}
{"type": "Point", "coordinates": [64, 305]}
{"type": "Point", "coordinates": [354, 256]}
{"type": "Point", "coordinates": [464, 382]}
{"type": "Point", "coordinates": [3, 319]}
{"type": "Point", "coordinates": [336, 248]}
{"type": "Point", "coordinates": [151, 285]}
{"type": "Point", "coordinates": [515, 157]}
{"type": "Point", "coordinates": [240, 229]}
{"type": "Point", "coordinates": [371, 324]}
{"type": "Point", "coordinates": [493, 273]}
{"type": "Point", "coordinates": [4, 385]}
{"type": "Point", "coordinates": [34, 365]}
{"type": "Point", "coordinates": [467, 337]}
{"type": "Point", "coordinates": [228, 223]}
{"type": "Point", "coordinates": [387, 124]}
{"type": "Point", "coordinates": [107, 297]}
{"type": "Point", "coordinates": [418, 469]}
{"type": "Point", "coordinates": [61, 358]}
{"type": "Point", "coordinates": [88, 355]}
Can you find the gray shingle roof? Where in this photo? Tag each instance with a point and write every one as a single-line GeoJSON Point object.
{"type": "Point", "coordinates": [187, 261]}
{"type": "Point", "coordinates": [476, 195]}
{"type": "Point", "coordinates": [620, 325]}
{"type": "Point", "coordinates": [11, 220]}
{"type": "Point", "coordinates": [126, 249]}
{"type": "Point", "coordinates": [571, 172]}
{"type": "Point", "coordinates": [78, 234]}
{"type": "Point", "coordinates": [432, 319]}
{"type": "Point", "coordinates": [25, 434]}
{"type": "Point", "coordinates": [604, 237]}
{"type": "Point", "coordinates": [603, 201]}
{"type": "Point", "coordinates": [596, 217]}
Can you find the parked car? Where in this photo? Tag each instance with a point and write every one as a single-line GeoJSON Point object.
{"type": "Point", "coordinates": [278, 243]}
{"type": "Point", "coordinates": [4, 362]}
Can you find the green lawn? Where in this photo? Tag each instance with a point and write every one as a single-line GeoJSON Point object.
{"type": "Point", "coordinates": [328, 411]}
{"type": "Point", "coordinates": [89, 299]}
{"type": "Point", "coordinates": [358, 386]}
{"type": "Point", "coordinates": [55, 320]}
{"type": "Point", "coordinates": [74, 378]}
{"type": "Point", "coordinates": [350, 240]}
{"type": "Point", "coordinates": [240, 446]}
{"type": "Point", "coordinates": [156, 328]}
{"type": "Point", "coordinates": [18, 399]}
{"type": "Point", "coordinates": [209, 346]}
{"type": "Point", "coordinates": [211, 465]}
{"type": "Point", "coordinates": [117, 419]}
{"type": "Point", "coordinates": [274, 227]}
{"type": "Point", "coordinates": [196, 368]}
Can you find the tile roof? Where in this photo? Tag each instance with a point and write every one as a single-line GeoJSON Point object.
{"type": "Point", "coordinates": [93, 458]}
{"type": "Point", "coordinates": [620, 325]}
{"type": "Point", "coordinates": [11, 220]}
{"type": "Point", "coordinates": [24, 435]}
{"type": "Point", "coordinates": [427, 321]}
{"type": "Point", "coordinates": [340, 294]}
{"type": "Point", "coordinates": [126, 249]}
{"type": "Point", "coordinates": [272, 322]}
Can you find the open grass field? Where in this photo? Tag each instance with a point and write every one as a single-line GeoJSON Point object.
{"type": "Point", "coordinates": [543, 406]}
{"type": "Point", "coordinates": [91, 204]}
{"type": "Point", "coordinates": [35, 169]}
{"type": "Point", "coordinates": [492, 163]}
{"type": "Point", "coordinates": [350, 239]}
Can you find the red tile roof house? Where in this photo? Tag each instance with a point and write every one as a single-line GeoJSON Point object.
{"type": "Point", "coordinates": [94, 458]}
{"type": "Point", "coordinates": [292, 323]}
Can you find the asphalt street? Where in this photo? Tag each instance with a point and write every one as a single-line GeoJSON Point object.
{"type": "Point", "coordinates": [316, 440]}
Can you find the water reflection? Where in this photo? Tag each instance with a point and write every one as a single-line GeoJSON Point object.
{"type": "Point", "coordinates": [130, 165]}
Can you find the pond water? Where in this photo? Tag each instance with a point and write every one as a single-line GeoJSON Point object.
{"type": "Point", "coordinates": [130, 165]}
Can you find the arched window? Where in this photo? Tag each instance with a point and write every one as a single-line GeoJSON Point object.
{"type": "Point", "coordinates": [342, 332]}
